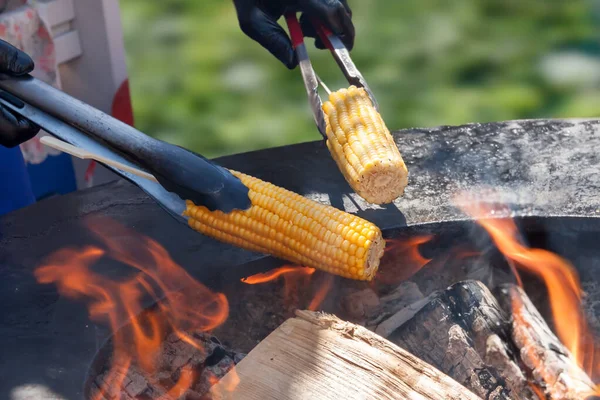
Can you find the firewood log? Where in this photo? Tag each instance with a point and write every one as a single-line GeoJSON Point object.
{"type": "Point", "coordinates": [463, 332]}
{"type": "Point", "coordinates": [318, 356]}
{"type": "Point", "coordinates": [552, 366]}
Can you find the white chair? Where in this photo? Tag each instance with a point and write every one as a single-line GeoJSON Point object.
{"type": "Point", "coordinates": [89, 47]}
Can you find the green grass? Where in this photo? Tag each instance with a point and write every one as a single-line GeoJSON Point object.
{"type": "Point", "coordinates": [199, 82]}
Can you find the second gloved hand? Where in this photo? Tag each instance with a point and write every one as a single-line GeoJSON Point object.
{"type": "Point", "coordinates": [258, 20]}
{"type": "Point", "coordinates": [14, 129]}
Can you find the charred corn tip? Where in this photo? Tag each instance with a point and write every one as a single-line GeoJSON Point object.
{"type": "Point", "coordinates": [363, 148]}
{"type": "Point", "coordinates": [294, 228]}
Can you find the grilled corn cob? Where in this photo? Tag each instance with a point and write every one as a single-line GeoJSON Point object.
{"type": "Point", "coordinates": [292, 227]}
{"type": "Point", "coordinates": [363, 147]}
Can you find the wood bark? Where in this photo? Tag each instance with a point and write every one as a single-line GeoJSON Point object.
{"type": "Point", "coordinates": [318, 356]}
{"type": "Point", "coordinates": [550, 364]}
{"type": "Point", "coordinates": [464, 333]}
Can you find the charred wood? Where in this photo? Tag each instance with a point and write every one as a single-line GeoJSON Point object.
{"type": "Point", "coordinates": [463, 332]}
{"type": "Point", "coordinates": [206, 363]}
{"type": "Point", "coordinates": [550, 364]}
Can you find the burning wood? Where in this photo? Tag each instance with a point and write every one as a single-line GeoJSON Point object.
{"type": "Point", "coordinates": [552, 366]}
{"type": "Point", "coordinates": [559, 276]}
{"type": "Point", "coordinates": [462, 332]}
{"type": "Point", "coordinates": [156, 351]}
{"type": "Point", "coordinates": [498, 349]}
{"type": "Point", "coordinates": [184, 371]}
{"type": "Point", "coordinates": [463, 342]}
{"type": "Point", "coordinates": [318, 356]}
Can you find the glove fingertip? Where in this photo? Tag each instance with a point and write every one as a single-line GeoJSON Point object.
{"type": "Point", "coordinates": [308, 29]}
{"type": "Point", "coordinates": [349, 43]}
{"type": "Point", "coordinates": [319, 44]}
{"type": "Point", "coordinates": [291, 64]}
{"type": "Point", "coordinates": [24, 64]}
{"type": "Point", "coordinates": [30, 128]}
{"type": "Point", "coordinates": [288, 58]}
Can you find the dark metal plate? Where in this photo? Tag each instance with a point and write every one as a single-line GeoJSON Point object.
{"type": "Point", "coordinates": [543, 169]}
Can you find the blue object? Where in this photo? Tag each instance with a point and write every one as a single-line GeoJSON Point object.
{"type": "Point", "coordinates": [54, 176]}
{"type": "Point", "coordinates": [15, 186]}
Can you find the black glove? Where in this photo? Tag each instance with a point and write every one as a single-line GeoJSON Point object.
{"type": "Point", "coordinates": [14, 129]}
{"type": "Point", "coordinates": [258, 19]}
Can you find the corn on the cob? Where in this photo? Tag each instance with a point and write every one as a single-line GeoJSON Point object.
{"type": "Point", "coordinates": [363, 147]}
{"type": "Point", "coordinates": [294, 228]}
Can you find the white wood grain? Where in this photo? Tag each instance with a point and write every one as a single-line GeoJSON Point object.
{"type": "Point", "coordinates": [87, 155]}
{"type": "Point", "coordinates": [67, 46]}
{"type": "Point", "coordinates": [318, 356]}
{"type": "Point", "coordinates": [56, 12]}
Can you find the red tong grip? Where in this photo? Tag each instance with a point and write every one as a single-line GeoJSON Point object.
{"type": "Point", "coordinates": [295, 29]}
{"type": "Point", "coordinates": [324, 33]}
{"type": "Point", "coordinates": [297, 35]}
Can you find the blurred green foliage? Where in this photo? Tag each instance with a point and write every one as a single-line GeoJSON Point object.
{"type": "Point", "coordinates": [199, 82]}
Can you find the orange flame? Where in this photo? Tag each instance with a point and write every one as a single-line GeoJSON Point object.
{"type": "Point", "coordinates": [391, 271]}
{"type": "Point", "coordinates": [322, 292]}
{"type": "Point", "coordinates": [212, 379]}
{"type": "Point", "coordinates": [183, 304]}
{"type": "Point", "coordinates": [186, 378]}
{"type": "Point", "coordinates": [560, 277]}
{"type": "Point", "coordinates": [538, 391]}
{"type": "Point", "coordinates": [295, 279]}
{"type": "Point", "coordinates": [227, 384]}
{"type": "Point", "coordinates": [276, 273]}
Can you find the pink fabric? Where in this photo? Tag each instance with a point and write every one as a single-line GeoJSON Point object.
{"type": "Point", "coordinates": [21, 26]}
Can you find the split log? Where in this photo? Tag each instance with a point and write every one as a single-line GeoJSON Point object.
{"type": "Point", "coordinates": [464, 333]}
{"type": "Point", "coordinates": [318, 356]}
{"type": "Point", "coordinates": [552, 366]}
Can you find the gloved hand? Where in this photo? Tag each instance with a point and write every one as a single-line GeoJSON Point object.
{"type": "Point", "coordinates": [14, 129]}
{"type": "Point", "coordinates": [258, 20]}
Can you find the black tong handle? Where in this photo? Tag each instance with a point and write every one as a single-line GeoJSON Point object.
{"type": "Point", "coordinates": [189, 175]}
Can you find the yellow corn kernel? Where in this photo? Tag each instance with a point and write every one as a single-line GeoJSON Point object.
{"type": "Point", "coordinates": [363, 147]}
{"type": "Point", "coordinates": [313, 235]}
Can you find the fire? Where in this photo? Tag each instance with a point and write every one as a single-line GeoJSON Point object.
{"type": "Point", "coordinates": [392, 272]}
{"type": "Point", "coordinates": [286, 272]}
{"type": "Point", "coordinates": [296, 280]}
{"type": "Point", "coordinates": [560, 277]}
{"type": "Point", "coordinates": [322, 292]}
{"type": "Point", "coordinates": [538, 391]}
{"type": "Point", "coordinates": [183, 305]}
{"type": "Point", "coordinates": [227, 384]}
{"type": "Point", "coordinates": [183, 383]}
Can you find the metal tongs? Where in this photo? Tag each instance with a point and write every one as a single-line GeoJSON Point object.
{"type": "Point", "coordinates": [311, 80]}
{"type": "Point", "coordinates": [179, 173]}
